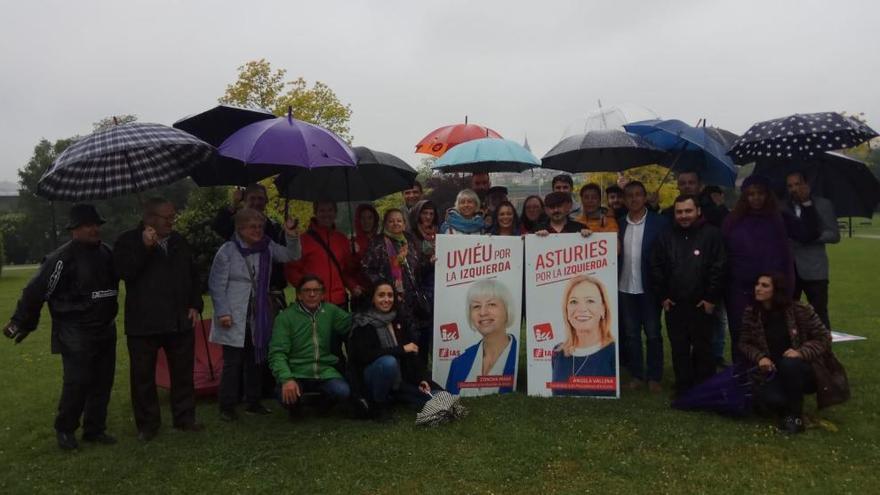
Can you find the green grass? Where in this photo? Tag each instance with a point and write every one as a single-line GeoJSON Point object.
{"type": "Point", "coordinates": [510, 444]}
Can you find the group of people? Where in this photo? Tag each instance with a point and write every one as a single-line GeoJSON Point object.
{"type": "Point", "coordinates": [360, 328]}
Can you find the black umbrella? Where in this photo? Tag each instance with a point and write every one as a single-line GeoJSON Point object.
{"type": "Point", "coordinates": [377, 174]}
{"type": "Point", "coordinates": [846, 182]}
{"type": "Point", "coordinates": [607, 150]}
{"type": "Point", "coordinates": [214, 126]}
{"type": "Point", "coordinates": [800, 137]}
{"type": "Point", "coordinates": [123, 159]}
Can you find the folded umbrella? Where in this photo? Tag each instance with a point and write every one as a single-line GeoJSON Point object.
{"type": "Point", "coordinates": [607, 150]}
{"type": "Point", "coordinates": [487, 155]}
{"type": "Point", "coordinates": [728, 392]}
{"type": "Point", "coordinates": [123, 159]}
{"type": "Point", "coordinates": [377, 174]}
{"type": "Point", "coordinates": [800, 136]}
{"type": "Point", "coordinates": [845, 181]}
{"type": "Point", "coordinates": [440, 140]}
{"type": "Point", "coordinates": [691, 149]}
{"type": "Point", "coordinates": [443, 407]}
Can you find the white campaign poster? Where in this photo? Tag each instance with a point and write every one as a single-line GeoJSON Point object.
{"type": "Point", "coordinates": [477, 313]}
{"type": "Point", "coordinates": [571, 315]}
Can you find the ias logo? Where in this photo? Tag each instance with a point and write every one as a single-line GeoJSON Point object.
{"type": "Point", "coordinates": [449, 332]}
{"type": "Point", "coordinates": [538, 353]}
{"type": "Point", "coordinates": [543, 332]}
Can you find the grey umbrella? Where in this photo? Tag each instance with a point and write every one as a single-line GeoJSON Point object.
{"type": "Point", "coordinates": [607, 150]}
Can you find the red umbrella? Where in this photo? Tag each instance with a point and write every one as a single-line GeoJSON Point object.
{"type": "Point", "coordinates": [207, 365]}
{"type": "Point", "coordinates": [440, 140]}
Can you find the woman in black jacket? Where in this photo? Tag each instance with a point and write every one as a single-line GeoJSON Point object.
{"type": "Point", "coordinates": [385, 363]}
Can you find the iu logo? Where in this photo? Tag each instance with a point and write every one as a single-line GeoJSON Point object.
{"type": "Point", "coordinates": [449, 332]}
{"type": "Point", "coordinates": [543, 332]}
{"type": "Point", "coordinates": [444, 353]}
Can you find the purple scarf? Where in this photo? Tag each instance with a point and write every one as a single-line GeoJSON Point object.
{"type": "Point", "coordinates": [261, 330]}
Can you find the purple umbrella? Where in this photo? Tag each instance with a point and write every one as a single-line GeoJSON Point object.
{"type": "Point", "coordinates": [269, 147]}
{"type": "Point", "coordinates": [728, 392]}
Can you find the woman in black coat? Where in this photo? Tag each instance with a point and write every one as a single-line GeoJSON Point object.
{"type": "Point", "coordinates": [384, 361]}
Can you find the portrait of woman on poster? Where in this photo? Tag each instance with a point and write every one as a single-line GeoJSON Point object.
{"type": "Point", "coordinates": [588, 348]}
{"type": "Point", "coordinates": [492, 313]}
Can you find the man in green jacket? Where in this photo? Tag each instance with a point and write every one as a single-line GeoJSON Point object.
{"type": "Point", "coordinates": [300, 350]}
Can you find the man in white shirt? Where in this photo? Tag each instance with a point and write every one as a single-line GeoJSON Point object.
{"type": "Point", "coordinates": [639, 309]}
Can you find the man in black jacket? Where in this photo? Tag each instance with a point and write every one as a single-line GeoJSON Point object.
{"type": "Point", "coordinates": [687, 273]}
{"type": "Point", "coordinates": [80, 285]}
{"type": "Point", "coordinates": [162, 302]}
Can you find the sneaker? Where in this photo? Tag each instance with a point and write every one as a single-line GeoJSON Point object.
{"type": "Point", "coordinates": [66, 441]}
{"type": "Point", "coordinates": [146, 435]}
{"type": "Point", "coordinates": [791, 425]}
{"type": "Point", "coordinates": [228, 415]}
{"type": "Point", "coordinates": [101, 438]}
{"type": "Point", "coordinates": [257, 409]}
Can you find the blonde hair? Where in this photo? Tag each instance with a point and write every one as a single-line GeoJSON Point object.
{"type": "Point", "coordinates": [571, 338]}
{"type": "Point", "coordinates": [494, 289]}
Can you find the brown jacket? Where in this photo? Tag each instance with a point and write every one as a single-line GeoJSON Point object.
{"type": "Point", "coordinates": [808, 336]}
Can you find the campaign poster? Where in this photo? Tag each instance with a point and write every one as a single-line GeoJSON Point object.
{"type": "Point", "coordinates": [477, 313]}
{"type": "Point", "coordinates": [571, 315]}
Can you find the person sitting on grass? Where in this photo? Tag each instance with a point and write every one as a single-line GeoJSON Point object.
{"type": "Point", "coordinates": [299, 351]}
{"type": "Point", "coordinates": [792, 350]}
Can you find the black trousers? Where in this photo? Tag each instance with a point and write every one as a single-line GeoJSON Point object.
{"type": "Point", "coordinates": [784, 391]}
{"type": "Point", "coordinates": [179, 350]}
{"type": "Point", "coordinates": [240, 367]}
{"type": "Point", "coordinates": [817, 296]}
{"type": "Point", "coordinates": [690, 331]}
{"type": "Point", "coordinates": [88, 379]}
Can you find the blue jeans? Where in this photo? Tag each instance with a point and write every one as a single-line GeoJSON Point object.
{"type": "Point", "coordinates": [638, 311]}
{"type": "Point", "coordinates": [332, 391]}
{"type": "Point", "coordinates": [384, 384]}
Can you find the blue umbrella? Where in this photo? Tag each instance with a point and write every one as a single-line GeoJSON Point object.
{"type": "Point", "coordinates": [487, 155]}
{"type": "Point", "coordinates": [692, 149]}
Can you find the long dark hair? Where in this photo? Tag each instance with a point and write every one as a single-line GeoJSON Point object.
{"type": "Point", "coordinates": [742, 207]}
{"type": "Point", "coordinates": [780, 299]}
{"type": "Point", "coordinates": [542, 218]}
{"type": "Point", "coordinates": [495, 227]}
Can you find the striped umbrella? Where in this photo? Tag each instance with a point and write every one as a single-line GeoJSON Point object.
{"type": "Point", "coordinates": [123, 159]}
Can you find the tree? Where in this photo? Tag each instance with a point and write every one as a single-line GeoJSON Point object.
{"type": "Point", "coordinates": [259, 86]}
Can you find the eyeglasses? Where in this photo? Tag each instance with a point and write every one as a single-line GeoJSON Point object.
{"type": "Point", "coordinates": [311, 291]}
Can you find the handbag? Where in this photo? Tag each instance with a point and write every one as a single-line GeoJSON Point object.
{"type": "Point", "coordinates": [832, 384]}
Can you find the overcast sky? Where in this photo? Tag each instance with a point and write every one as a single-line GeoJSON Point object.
{"type": "Point", "coordinates": [530, 68]}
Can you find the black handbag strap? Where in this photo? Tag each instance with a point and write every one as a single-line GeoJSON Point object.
{"type": "Point", "coordinates": [329, 252]}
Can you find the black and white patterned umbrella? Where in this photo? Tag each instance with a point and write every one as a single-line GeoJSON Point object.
{"type": "Point", "coordinates": [606, 150]}
{"type": "Point", "coordinates": [443, 407]}
{"type": "Point", "coordinates": [801, 136]}
{"type": "Point", "coordinates": [123, 159]}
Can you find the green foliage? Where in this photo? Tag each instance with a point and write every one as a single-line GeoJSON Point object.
{"type": "Point", "coordinates": [12, 230]}
{"type": "Point", "coordinates": [108, 122]}
{"type": "Point", "coordinates": [194, 223]}
{"type": "Point", "coordinates": [259, 86]}
{"type": "Point", "coordinates": [2, 254]}
{"type": "Point", "coordinates": [653, 176]}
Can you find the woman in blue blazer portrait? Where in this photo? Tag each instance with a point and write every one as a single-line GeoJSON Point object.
{"type": "Point", "coordinates": [490, 312]}
{"type": "Point", "coordinates": [588, 348]}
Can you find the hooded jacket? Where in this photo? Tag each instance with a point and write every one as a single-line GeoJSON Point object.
{"type": "Point", "coordinates": [301, 342]}
{"type": "Point", "coordinates": [316, 261]}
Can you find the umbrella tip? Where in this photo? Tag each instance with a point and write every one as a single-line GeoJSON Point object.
{"type": "Point", "coordinates": [465, 120]}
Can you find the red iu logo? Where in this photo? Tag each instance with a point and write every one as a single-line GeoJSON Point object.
{"type": "Point", "coordinates": [543, 332]}
{"type": "Point", "coordinates": [444, 353]}
{"type": "Point", "coordinates": [449, 332]}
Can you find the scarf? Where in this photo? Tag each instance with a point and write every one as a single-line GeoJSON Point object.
{"type": "Point", "coordinates": [380, 321]}
{"type": "Point", "coordinates": [261, 329]}
{"type": "Point", "coordinates": [393, 245]}
{"type": "Point", "coordinates": [455, 221]}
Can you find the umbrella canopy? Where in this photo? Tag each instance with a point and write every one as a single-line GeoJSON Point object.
{"type": "Point", "coordinates": [848, 183]}
{"type": "Point", "coordinates": [439, 141]}
{"type": "Point", "coordinates": [272, 146]}
{"type": "Point", "coordinates": [800, 136]}
{"type": "Point", "coordinates": [377, 174]}
{"type": "Point", "coordinates": [215, 125]}
{"type": "Point", "coordinates": [123, 159]}
{"type": "Point", "coordinates": [207, 363]}
{"type": "Point", "coordinates": [607, 150]}
{"type": "Point", "coordinates": [443, 407]}
{"type": "Point", "coordinates": [728, 392]}
{"type": "Point", "coordinates": [487, 155]}
{"type": "Point", "coordinates": [691, 148]}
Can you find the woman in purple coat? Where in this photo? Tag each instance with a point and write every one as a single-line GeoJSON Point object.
{"type": "Point", "coordinates": [756, 237]}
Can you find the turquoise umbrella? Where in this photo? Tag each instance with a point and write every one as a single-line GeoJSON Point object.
{"type": "Point", "coordinates": [487, 155]}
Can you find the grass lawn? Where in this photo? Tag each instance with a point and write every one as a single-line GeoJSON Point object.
{"type": "Point", "coordinates": [510, 444]}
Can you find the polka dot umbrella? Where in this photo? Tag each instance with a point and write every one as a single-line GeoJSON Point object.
{"type": "Point", "coordinates": [801, 136]}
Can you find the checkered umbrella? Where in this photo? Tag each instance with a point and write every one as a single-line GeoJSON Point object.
{"type": "Point", "coordinates": [123, 159]}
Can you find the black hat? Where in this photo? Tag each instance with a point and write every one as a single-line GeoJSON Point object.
{"type": "Point", "coordinates": [497, 190]}
{"type": "Point", "coordinates": [555, 199]}
{"type": "Point", "coordinates": [83, 214]}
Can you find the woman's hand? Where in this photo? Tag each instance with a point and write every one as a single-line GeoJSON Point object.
{"type": "Point", "coordinates": [290, 226]}
{"type": "Point", "coordinates": [766, 365]}
{"type": "Point", "coordinates": [290, 392]}
{"type": "Point", "coordinates": [542, 233]}
{"type": "Point", "coordinates": [411, 347]}
{"type": "Point", "coordinates": [425, 387]}
{"type": "Point", "coordinates": [225, 321]}
{"type": "Point", "coordinates": [792, 353]}
{"type": "Point", "coordinates": [586, 232]}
